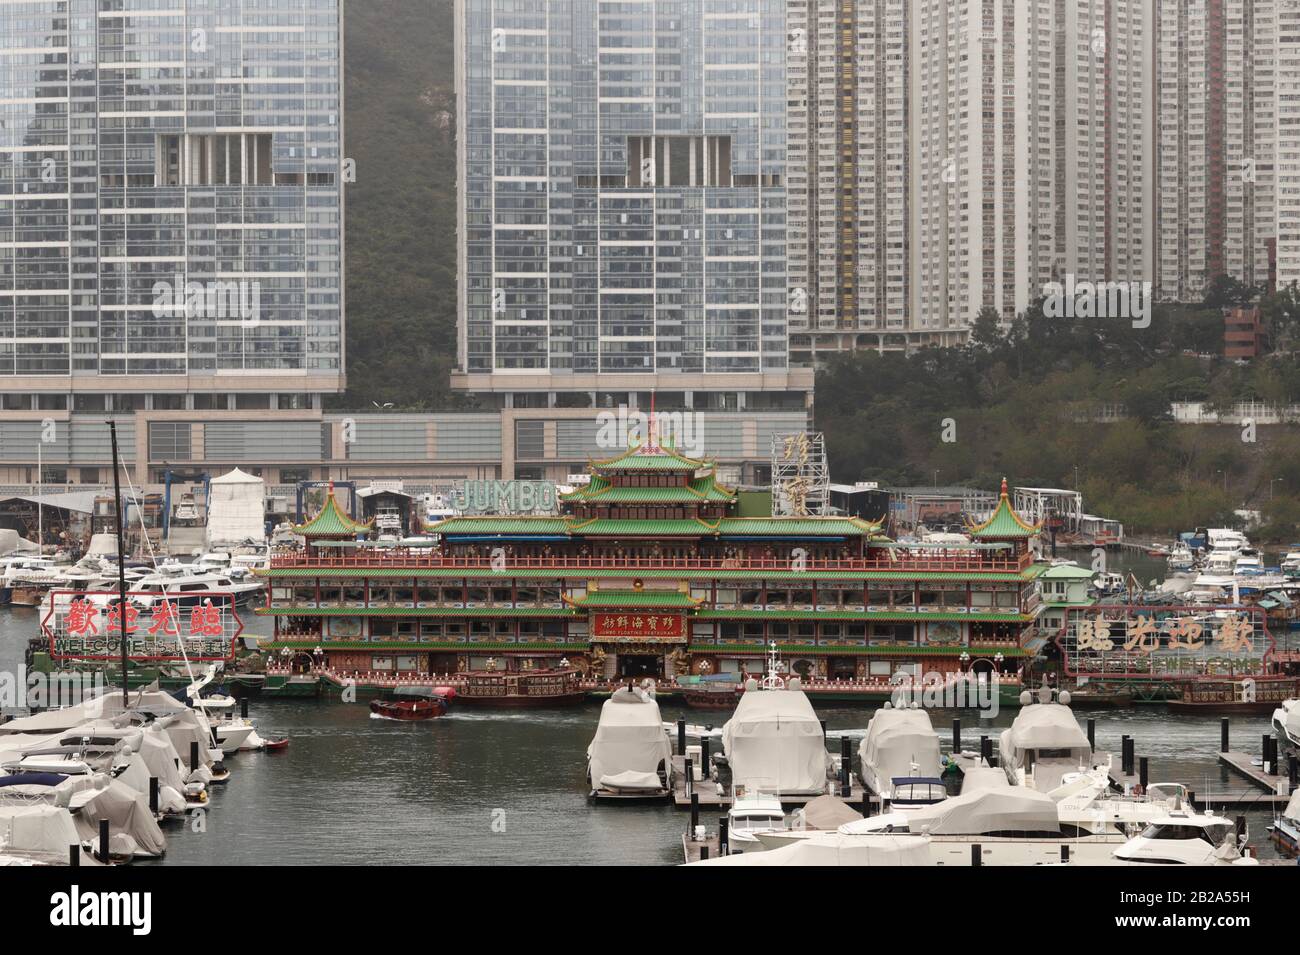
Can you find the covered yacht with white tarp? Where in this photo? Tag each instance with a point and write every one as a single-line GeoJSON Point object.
{"type": "Point", "coordinates": [1043, 744]}
{"type": "Point", "coordinates": [900, 744]}
{"type": "Point", "coordinates": [837, 849]}
{"type": "Point", "coordinates": [774, 742]}
{"type": "Point", "coordinates": [630, 755]}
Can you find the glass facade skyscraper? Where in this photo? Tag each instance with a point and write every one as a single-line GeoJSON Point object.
{"type": "Point", "coordinates": [157, 146]}
{"type": "Point", "coordinates": [622, 194]}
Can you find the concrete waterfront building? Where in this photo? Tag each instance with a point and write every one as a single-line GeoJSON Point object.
{"type": "Point", "coordinates": [622, 174]}
{"type": "Point", "coordinates": [1218, 133]}
{"type": "Point", "coordinates": [171, 223]}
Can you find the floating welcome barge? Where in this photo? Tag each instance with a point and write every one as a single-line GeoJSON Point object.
{"type": "Point", "coordinates": [653, 569]}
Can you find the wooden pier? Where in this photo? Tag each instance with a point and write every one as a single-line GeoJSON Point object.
{"type": "Point", "coordinates": [695, 851]}
{"type": "Point", "coordinates": [1273, 791]}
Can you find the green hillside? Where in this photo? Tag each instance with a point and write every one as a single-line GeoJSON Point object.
{"type": "Point", "coordinates": [401, 211]}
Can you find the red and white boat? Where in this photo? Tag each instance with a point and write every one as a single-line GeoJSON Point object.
{"type": "Point", "coordinates": [412, 703]}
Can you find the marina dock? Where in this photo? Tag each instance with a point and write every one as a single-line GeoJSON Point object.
{"type": "Point", "coordinates": [709, 798]}
{"type": "Point", "coordinates": [1273, 790]}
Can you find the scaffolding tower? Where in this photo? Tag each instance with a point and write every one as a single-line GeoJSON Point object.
{"type": "Point", "coordinates": [801, 478]}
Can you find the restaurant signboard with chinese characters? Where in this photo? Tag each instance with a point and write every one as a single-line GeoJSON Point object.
{"type": "Point", "coordinates": [87, 625]}
{"type": "Point", "coordinates": [1166, 642]}
{"type": "Point", "coordinates": [639, 626]}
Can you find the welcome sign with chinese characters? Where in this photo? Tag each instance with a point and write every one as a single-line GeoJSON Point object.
{"type": "Point", "coordinates": [1165, 641]}
{"type": "Point", "coordinates": [638, 626]}
{"type": "Point", "coordinates": [87, 625]}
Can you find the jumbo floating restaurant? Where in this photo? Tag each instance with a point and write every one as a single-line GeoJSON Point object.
{"type": "Point", "coordinates": [650, 569]}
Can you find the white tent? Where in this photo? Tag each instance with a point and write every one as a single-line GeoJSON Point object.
{"type": "Point", "coordinates": [899, 742]}
{"type": "Point", "coordinates": [986, 811]}
{"type": "Point", "coordinates": [1045, 741]}
{"type": "Point", "coordinates": [630, 744]}
{"type": "Point", "coordinates": [774, 742]}
{"type": "Point", "coordinates": [236, 510]}
{"type": "Point", "coordinates": [836, 849]}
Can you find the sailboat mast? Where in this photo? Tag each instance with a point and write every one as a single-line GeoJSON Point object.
{"type": "Point", "coordinates": [40, 511]}
{"type": "Point", "coordinates": [121, 558]}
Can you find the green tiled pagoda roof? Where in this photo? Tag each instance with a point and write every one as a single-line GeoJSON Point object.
{"type": "Point", "coordinates": [548, 526]}
{"type": "Point", "coordinates": [796, 649]}
{"type": "Point", "coordinates": [639, 458]}
{"type": "Point", "coordinates": [1004, 522]}
{"type": "Point", "coordinates": [332, 521]}
{"type": "Point", "coordinates": [655, 527]}
{"type": "Point", "coordinates": [603, 490]}
{"type": "Point", "coordinates": [636, 598]}
{"type": "Point", "coordinates": [536, 573]}
{"type": "Point", "coordinates": [768, 526]}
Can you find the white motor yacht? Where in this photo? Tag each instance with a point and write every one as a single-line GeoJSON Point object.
{"type": "Point", "coordinates": [1220, 563]}
{"type": "Point", "coordinates": [1291, 565]}
{"type": "Point", "coordinates": [213, 563]}
{"type": "Point", "coordinates": [230, 731]}
{"type": "Point", "coordinates": [1286, 828]}
{"type": "Point", "coordinates": [751, 814]}
{"type": "Point", "coordinates": [1044, 743]}
{"type": "Point", "coordinates": [900, 743]}
{"type": "Point", "coordinates": [1186, 838]}
{"type": "Point", "coordinates": [1180, 557]}
{"type": "Point", "coordinates": [249, 562]}
{"type": "Point", "coordinates": [1249, 564]}
{"type": "Point", "coordinates": [1286, 720]}
{"type": "Point", "coordinates": [630, 756]}
{"type": "Point", "coordinates": [188, 589]}
{"type": "Point", "coordinates": [1081, 822]}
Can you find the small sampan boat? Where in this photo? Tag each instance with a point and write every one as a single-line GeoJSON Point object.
{"type": "Point", "coordinates": [412, 703]}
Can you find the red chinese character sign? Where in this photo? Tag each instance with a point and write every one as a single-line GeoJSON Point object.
{"type": "Point", "coordinates": [87, 625]}
{"type": "Point", "coordinates": [638, 625]}
{"type": "Point", "coordinates": [1157, 642]}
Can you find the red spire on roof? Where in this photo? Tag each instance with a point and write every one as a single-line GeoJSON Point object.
{"type": "Point", "coordinates": [1004, 487]}
{"type": "Point", "coordinates": [652, 427]}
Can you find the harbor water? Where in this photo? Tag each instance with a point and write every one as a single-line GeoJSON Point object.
{"type": "Point", "coordinates": [508, 786]}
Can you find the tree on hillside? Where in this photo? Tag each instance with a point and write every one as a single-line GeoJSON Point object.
{"type": "Point", "coordinates": [1224, 291]}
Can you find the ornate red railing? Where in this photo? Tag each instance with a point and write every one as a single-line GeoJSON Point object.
{"type": "Point", "coordinates": [396, 560]}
